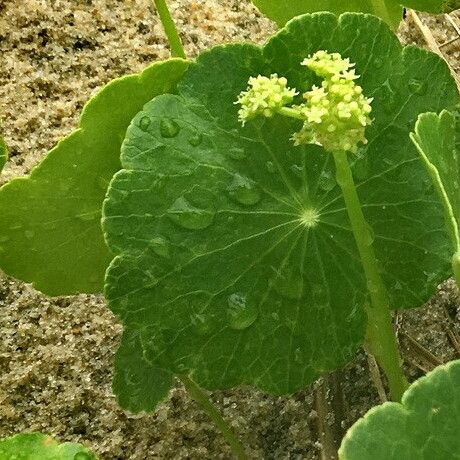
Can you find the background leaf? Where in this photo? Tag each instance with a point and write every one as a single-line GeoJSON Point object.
{"type": "Point", "coordinates": [3, 153]}
{"type": "Point", "coordinates": [134, 375]}
{"type": "Point", "coordinates": [424, 426]}
{"type": "Point", "coordinates": [50, 231]}
{"type": "Point", "coordinates": [435, 137]}
{"type": "Point", "coordinates": [37, 446]}
{"type": "Point", "coordinates": [282, 11]}
{"type": "Point", "coordinates": [235, 256]}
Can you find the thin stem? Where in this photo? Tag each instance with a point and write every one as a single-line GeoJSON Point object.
{"type": "Point", "coordinates": [380, 334]}
{"type": "Point", "coordinates": [200, 397]}
{"type": "Point", "coordinates": [170, 29]}
{"type": "Point", "coordinates": [292, 113]}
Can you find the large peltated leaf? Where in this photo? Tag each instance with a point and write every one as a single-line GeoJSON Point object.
{"type": "Point", "coordinates": [235, 256]}
{"type": "Point", "coordinates": [425, 426]}
{"type": "Point", "coordinates": [50, 231]}
{"type": "Point", "coordinates": [37, 446]}
{"type": "Point", "coordinates": [391, 11]}
{"type": "Point", "coordinates": [3, 153]}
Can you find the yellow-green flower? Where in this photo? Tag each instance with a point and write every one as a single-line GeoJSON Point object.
{"type": "Point", "coordinates": [264, 96]}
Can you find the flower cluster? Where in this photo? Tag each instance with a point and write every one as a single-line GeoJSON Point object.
{"type": "Point", "coordinates": [335, 115]}
{"type": "Point", "coordinates": [264, 96]}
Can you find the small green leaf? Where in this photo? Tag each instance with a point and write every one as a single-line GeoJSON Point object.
{"type": "Point", "coordinates": [435, 140]}
{"type": "Point", "coordinates": [3, 153]}
{"type": "Point", "coordinates": [425, 426]}
{"type": "Point", "coordinates": [138, 385]}
{"type": "Point", "coordinates": [50, 231]}
{"type": "Point", "coordinates": [37, 446]}
{"type": "Point", "coordinates": [235, 259]}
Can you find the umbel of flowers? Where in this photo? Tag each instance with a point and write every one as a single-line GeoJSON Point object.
{"type": "Point", "coordinates": [334, 115]}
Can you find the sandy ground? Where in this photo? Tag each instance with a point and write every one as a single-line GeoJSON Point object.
{"type": "Point", "coordinates": [56, 354]}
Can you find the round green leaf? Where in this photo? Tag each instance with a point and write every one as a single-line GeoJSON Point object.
{"type": "Point", "coordinates": [235, 257]}
{"type": "Point", "coordinates": [37, 446]}
{"type": "Point", "coordinates": [425, 426]}
{"type": "Point", "coordinates": [50, 233]}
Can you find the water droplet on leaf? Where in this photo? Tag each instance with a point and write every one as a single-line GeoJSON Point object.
{"type": "Point", "coordinates": [244, 190]}
{"type": "Point", "coordinates": [29, 234]}
{"type": "Point", "coordinates": [183, 213]}
{"type": "Point", "coordinates": [200, 324]}
{"type": "Point", "coordinates": [417, 86]}
{"type": "Point", "coordinates": [160, 246]}
{"type": "Point", "coordinates": [237, 153]}
{"type": "Point", "coordinates": [270, 166]}
{"type": "Point", "coordinates": [289, 283]}
{"type": "Point", "coordinates": [327, 181]}
{"type": "Point", "coordinates": [378, 62]}
{"type": "Point", "coordinates": [169, 128]}
{"type": "Point", "coordinates": [241, 313]}
{"type": "Point", "coordinates": [144, 123]}
{"type": "Point", "coordinates": [196, 139]}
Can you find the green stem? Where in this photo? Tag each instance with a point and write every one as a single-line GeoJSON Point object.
{"type": "Point", "coordinates": [200, 397]}
{"type": "Point", "coordinates": [170, 29]}
{"type": "Point", "coordinates": [380, 334]}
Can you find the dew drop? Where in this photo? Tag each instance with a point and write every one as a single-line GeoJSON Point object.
{"type": "Point", "coordinates": [270, 166]}
{"type": "Point", "coordinates": [183, 213]}
{"type": "Point", "coordinates": [48, 226]}
{"type": "Point", "coordinates": [237, 153]}
{"type": "Point", "coordinates": [200, 324]}
{"type": "Point", "coordinates": [297, 170]}
{"type": "Point", "coordinates": [378, 62]}
{"type": "Point", "coordinates": [160, 246]}
{"type": "Point", "coordinates": [144, 123]}
{"type": "Point", "coordinates": [88, 216]}
{"type": "Point", "coordinates": [289, 284]}
{"type": "Point", "coordinates": [298, 356]}
{"type": "Point", "coordinates": [29, 234]}
{"type": "Point", "coordinates": [241, 313]}
{"type": "Point", "coordinates": [169, 128]}
{"type": "Point", "coordinates": [244, 190]}
{"type": "Point", "coordinates": [369, 236]}
{"type": "Point", "coordinates": [417, 86]}
{"type": "Point", "coordinates": [196, 139]}
{"type": "Point", "coordinates": [327, 181]}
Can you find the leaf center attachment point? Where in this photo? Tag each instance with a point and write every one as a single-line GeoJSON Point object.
{"type": "Point", "coordinates": [309, 217]}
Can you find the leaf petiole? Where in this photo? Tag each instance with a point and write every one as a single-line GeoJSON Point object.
{"type": "Point", "coordinates": [177, 50]}
{"type": "Point", "coordinates": [380, 335]}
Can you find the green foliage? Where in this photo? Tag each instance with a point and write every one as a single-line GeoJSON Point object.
{"type": "Point", "coordinates": [235, 259]}
{"type": "Point", "coordinates": [391, 11]}
{"type": "Point", "coordinates": [425, 426]}
{"type": "Point", "coordinates": [50, 231]}
{"type": "Point", "coordinates": [3, 153]}
{"type": "Point", "coordinates": [435, 139]}
{"type": "Point", "coordinates": [37, 446]}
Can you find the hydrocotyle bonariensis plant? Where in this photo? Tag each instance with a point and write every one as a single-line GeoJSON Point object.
{"type": "Point", "coordinates": [238, 258]}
